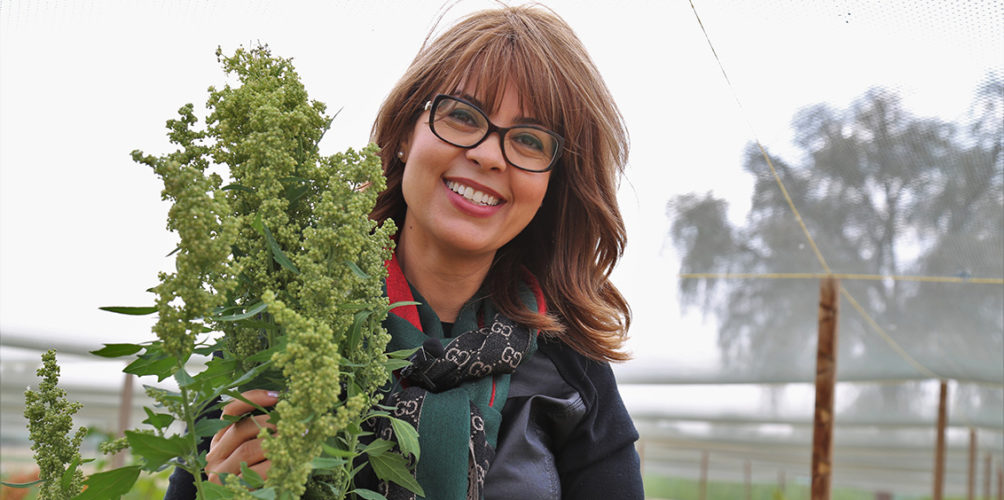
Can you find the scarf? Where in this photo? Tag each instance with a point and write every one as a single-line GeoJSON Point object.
{"type": "Point", "coordinates": [455, 388]}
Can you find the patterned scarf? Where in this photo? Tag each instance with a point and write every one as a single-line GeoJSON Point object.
{"type": "Point", "coordinates": [455, 388]}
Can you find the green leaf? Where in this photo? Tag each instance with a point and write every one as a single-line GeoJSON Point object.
{"type": "Point", "coordinates": [209, 426]}
{"type": "Point", "coordinates": [215, 491]}
{"type": "Point", "coordinates": [264, 494]}
{"type": "Point", "coordinates": [368, 494]}
{"type": "Point", "coordinates": [162, 367]}
{"type": "Point", "coordinates": [257, 308]}
{"type": "Point", "coordinates": [67, 476]}
{"type": "Point", "coordinates": [336, 452]}
{"type": "Point", "coordinates": [355, 269]}
{"type": "Point", "coordinates": [356, 331]}
{"type": "Point", "coordinates": [237, 187]}
{"type": "Point", "coordinates": [183, 378]}
{"type": "Point", "coordinates": [257, 224]}
{"type": "Point", "coordinates": [402, 353]}
{"type": "Point", "coordinates": [327, 463]}
{"type": "Point", "coordinates": [109, 484]}
{"type": "Point", "coordinates": [252, 478]}
{"type": "Point", "coordinates": [396, 364]}
{"type": "Point", "coordinates": [156, 450]}
{"type": "Point", "coordinates": [294, 193]}
{"type": "Point", "coordinates": [247, 377]}
{"type": "Point", "coordinates": [378, 447]}
{"type": "Point", "coordinates": [402, 304]}
{"type": "Point", "coordinates": [206, 350]}
{"type": "Point", "coordinates": [277, 252]}
{"type": "Point", "coordinates": [407, 436]}
{"type": "Point", "coordinates": [273, 245]}
{"type": "Point", "coordinates": [257, 324]}
{"type": "Point", "coordinates": [158, 420]}
{"type": "Point", "coordinates": [132, 311]}
{"type": "Point", "coordinates": [116, 350]}
{"type": "Point", "coordinates": [22, 485]}
{"type": "Point", "coordinates": [394, 467]}
{"type": "Point", "coordinates": [176, 250]}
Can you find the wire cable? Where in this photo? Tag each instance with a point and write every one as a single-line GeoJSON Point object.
{"type": "Point", "coordinates": [798, 217]}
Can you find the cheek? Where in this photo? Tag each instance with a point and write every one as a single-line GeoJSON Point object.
{"type": "Point", "coordinates": [536, 188]}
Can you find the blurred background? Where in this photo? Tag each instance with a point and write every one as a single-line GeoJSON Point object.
{"type": "Point", "coordinates": [773, 143]}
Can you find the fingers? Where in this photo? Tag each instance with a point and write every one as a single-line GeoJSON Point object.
{"type": "Point", "coordinates": [239, 442]}
{"type": "Point", "coordinates": [238, 445]}
{"type": "Point", "coordinates": [261, 468]}
{"type": "Point", "coordinates": [259, 397]}
{"type": "Point", "coordinates": [234, 435]}
{"type": "Point", "coordinates": [237, 407]}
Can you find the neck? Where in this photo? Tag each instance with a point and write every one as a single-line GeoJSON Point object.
{"type": "Point", "coordinates": [447, 280]}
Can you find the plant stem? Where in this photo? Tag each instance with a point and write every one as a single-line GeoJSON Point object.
{"type": "Point", "coordinates": [347, 481]}
{"type": "Point", "coordinates": [192, 465]}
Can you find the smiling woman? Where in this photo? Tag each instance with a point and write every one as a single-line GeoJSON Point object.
{"type": "Point", "coordinates": [501, 146]}
{"type": "Point", "coordinates": [530, 127]}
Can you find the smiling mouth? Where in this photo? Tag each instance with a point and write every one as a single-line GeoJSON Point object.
{"type": "Point", "coordinates": [473, 195]}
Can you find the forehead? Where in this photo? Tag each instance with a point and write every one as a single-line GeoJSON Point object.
{"type": "Point", "coordinates": [486, 68]}
{"type": "Point", "coordinates": [501, 95]}
{"type": "Point", "coordinates": [494, 100]}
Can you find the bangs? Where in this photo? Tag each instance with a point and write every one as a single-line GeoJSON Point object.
{"type": "Point", "coordinates": [497, 58]}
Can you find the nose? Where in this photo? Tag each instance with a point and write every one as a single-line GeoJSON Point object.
{"type": "Point", "coordinates": [488, 154]}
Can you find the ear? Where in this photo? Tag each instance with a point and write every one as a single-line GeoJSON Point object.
{"type": "Point", "coordinates": [402, 149]}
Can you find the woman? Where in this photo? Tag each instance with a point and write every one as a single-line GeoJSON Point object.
{"type": "Point", "coordinates": [502, 146]}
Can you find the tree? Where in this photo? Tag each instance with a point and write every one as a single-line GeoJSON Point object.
{"type": "Point", "coordinates": [882, 192]}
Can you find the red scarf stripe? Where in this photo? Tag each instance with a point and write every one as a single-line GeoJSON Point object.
{"type": "Point", "coordinates": [538, 293]}
{"type": "Point", "coordinates": [398, 290]}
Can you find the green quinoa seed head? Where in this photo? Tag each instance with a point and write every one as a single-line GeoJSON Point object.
{"type": "Point", "coordinates": [251, 199]}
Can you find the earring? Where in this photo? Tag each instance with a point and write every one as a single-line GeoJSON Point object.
{"type": "Point", "coordinates": [400, 154]}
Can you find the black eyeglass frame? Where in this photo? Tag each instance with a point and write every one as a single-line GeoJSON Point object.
{"type": "Point", "coordinates": [432, 104]}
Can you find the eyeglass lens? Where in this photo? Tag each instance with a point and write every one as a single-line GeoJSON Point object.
{"type": "Point", "coordinates": [464, 125]}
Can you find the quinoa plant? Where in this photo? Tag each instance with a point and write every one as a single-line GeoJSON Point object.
{"type": "Point", "coordinates": [50, 419]}
{"type": "Point", "coordinates": [278, 281]}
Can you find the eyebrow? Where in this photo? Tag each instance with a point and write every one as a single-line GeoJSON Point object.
{"type": "Point", "coordinates": [522, 120]}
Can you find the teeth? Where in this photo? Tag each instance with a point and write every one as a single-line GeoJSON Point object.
{"type": "Point", "coordinates": [472, 195]}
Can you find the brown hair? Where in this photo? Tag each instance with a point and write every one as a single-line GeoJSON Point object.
{"type": "Point", "coordinates": [577, 236]}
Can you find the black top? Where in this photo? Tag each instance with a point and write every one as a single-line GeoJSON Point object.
{"type": "Point", "coordinates": [565, 434]}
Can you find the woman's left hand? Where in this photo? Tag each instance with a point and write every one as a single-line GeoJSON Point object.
{"type": "Point", "coordinates": [239, 442]}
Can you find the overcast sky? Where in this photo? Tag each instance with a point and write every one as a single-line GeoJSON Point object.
{"type": "Point", "coordinates": [83, 83]}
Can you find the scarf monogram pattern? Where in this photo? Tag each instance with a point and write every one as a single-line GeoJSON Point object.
{"type": "Point", "coordinates": [493, 350]}
{"type": "Point", "coordinates": [453, 391]}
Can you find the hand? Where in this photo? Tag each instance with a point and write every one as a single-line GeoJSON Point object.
{"type": "Point", "coordinates": [239, 442]}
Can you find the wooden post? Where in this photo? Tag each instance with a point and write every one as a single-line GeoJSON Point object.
{"type": "Point", "coordinates": [986, 476]}
{"type": "Point", "coordinates": [125, 415]}
{"type": "Point", "coordinates": [826, 371]}
{"type": "Point", "coordinates": [939, 451]}
{"type": "Point", "coordinates": [971, 484]}
{"type": "Point", "coordinates": [702, 486]}
{"type": "Point", "coordinates": [1000, 483]}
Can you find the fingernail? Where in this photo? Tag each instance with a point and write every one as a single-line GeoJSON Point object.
{"type": "Point", "coordinates": [273, 394]}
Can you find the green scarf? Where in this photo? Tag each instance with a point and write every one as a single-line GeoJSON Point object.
{"type": "Point", "coordinates": [455, 389]}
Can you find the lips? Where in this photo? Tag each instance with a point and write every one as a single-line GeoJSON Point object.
{"type": "Point", "coordinates": [474, 195]}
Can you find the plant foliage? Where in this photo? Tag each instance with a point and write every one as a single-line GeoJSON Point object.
{"type": "Point", "coordinates": [278, 279]}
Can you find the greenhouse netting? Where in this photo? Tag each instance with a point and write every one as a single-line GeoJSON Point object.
{"type": "Point", "coordinates": [773, 144]}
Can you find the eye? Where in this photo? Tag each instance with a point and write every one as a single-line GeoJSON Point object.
{"type": "Point", "coordinates": [530, 141]}
{"type": "Point", "coordinates": [464, 116]}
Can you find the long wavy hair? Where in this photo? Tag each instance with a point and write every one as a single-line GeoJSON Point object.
{"type": "Point", "coordinates": [577, 235]}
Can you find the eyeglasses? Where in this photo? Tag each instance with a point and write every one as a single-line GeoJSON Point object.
{"type": "Point", "coordinates": [462, 124]}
